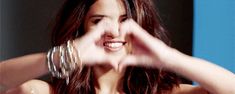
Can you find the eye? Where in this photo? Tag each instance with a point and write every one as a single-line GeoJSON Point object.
{"type": "Point", "coordinates": [124, 18]}
{"type": "Point", "coordinates": [96, 20]}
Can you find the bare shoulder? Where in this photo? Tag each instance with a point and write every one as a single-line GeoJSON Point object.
{"type": "Point", "coordinates": [32, 87]}
{"type": "Point", "coordinates": [189, 89]}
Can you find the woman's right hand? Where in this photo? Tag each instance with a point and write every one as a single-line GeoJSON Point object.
{"type": "Point", "coordinates": [89, 46]}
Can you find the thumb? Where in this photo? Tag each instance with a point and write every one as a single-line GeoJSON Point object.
{"type": "Point", "coordinates": [129, 60]}
{"type": "Point", "coordinates": [136, 60]}
{"type": "Point", "coordinates": [115, 65]}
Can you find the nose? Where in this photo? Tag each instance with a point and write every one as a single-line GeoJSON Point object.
{"type": "Point", "coordinates": [113, 31]}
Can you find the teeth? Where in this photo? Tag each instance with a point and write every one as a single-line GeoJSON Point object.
{"type": "Point", "coordinates": [114, 45]}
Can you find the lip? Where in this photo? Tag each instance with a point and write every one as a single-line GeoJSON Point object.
{"type": "Point", "coordinates": [114, 45]}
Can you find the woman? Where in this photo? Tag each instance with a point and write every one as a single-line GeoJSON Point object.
{"type": "Point", "coordinates": [120, 45]}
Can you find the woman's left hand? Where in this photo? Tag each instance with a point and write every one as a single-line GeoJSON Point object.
{"type": "Point", "coordinates": [146, 50]}
{"type": "Point", "coordinates": [151, 52]}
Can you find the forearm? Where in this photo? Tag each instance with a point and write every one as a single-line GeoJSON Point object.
{"type": "Point", "coordinates": [15, 71]}
{"type": "Point", "coordinates": [213, 78]}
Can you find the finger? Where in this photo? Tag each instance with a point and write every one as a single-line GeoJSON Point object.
{"type": "Point", "coordinates": [93, 34]}
{"type": "Point", "coordinates": [87, 44]}
{"type": "Point", "coordinates": [98, 30]}
{"type": "Point", "coordinates": [131, 28]}
{"type": "Point", "coordinates": [95, 58]}
{"type": "Point", "coordinates": [115, 65]}
{"type": "Point", "coordinates": [136, 60]}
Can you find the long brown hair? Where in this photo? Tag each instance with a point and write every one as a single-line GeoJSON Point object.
{"type": "Point", "coordinates": [137, 80]}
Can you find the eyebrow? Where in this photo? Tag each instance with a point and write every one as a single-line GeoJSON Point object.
{"type": "Point", "coordinates": [97, 15]}
{"type": "Point", "coordinates": [100, 15]}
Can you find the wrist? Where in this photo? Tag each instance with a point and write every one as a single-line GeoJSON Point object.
{"type": "Point", "coordinates": [171, 58]}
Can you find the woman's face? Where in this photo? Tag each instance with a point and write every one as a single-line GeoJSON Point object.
{"type": "Point", "coordinates": [114, 11]}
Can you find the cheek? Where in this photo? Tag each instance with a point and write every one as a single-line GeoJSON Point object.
{"type": "Point", "coordinates": [90, 26]}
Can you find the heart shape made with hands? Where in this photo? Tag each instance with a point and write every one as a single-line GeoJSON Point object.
{"type": "Point", "coordinates": [143, 48]}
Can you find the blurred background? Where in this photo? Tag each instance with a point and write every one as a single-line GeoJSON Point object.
{"type": "Point", "coordinates": [202, 28]}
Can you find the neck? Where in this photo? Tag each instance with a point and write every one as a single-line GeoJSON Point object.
{"type": "Point", "coordinates": [107, 80]}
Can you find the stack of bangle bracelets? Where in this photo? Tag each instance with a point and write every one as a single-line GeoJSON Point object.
{"type": "Point", "coordinates": [68, 60]}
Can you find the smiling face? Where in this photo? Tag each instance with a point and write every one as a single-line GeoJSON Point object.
{"type": "Point", "coordinates": [114, 11]}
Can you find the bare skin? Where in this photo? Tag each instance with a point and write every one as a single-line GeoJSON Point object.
{"type": "Point", "coordinates": [103, 25]}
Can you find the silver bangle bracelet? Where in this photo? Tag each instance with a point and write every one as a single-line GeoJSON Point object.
{"type": "Point", "coordinates": [69, 60]}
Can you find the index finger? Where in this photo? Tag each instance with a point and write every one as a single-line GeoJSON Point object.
{"type": "Point", "coordinates": [98, 30]}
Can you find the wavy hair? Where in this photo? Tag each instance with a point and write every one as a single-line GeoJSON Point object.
{"type": "Point", "coordinates": [137, 80]}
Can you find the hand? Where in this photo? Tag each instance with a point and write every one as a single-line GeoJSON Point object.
{"type": "Point", "coordinates": [89, 46]}
{"type": "Point", "coordinates": [146, 50]}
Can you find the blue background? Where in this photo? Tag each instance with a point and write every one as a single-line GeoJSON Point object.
{"type": "Point", "coordinates": [214, 32]}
